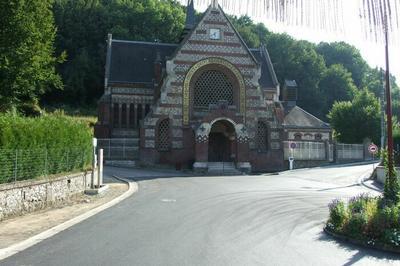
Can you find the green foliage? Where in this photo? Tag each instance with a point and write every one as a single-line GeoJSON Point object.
{"type": "Point", "coordinates": [366, 218]}
{"type": "Point", "coordinates": [346, 55]}
{"type": "Point", "coordinates": [356, 120]}
{"type": "Point", "coordinates": [391, 192]}
{"type": "Point", "coordinates": [83, 26]}
{"type": "Point", "coordinates": [299, 60]}
{"type": "Point", "coordinates": [44, 145]}
{"type": "Point", "coordinates": [27, 61]}
{"type": "Point", "coordinates": [336, 85]}
{"type": "Point", "coordinates": [337, 215]}
{"type": "Point", "coordinates": [356, 225]}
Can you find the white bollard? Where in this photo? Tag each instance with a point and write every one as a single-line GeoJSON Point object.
{"type": "Point", "coordinates": [100, 169]}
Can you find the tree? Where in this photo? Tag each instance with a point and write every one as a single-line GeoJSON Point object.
{"type": "Point", "coordinates": [336, 85]}
{"type": "Point", "coordinates": [298, 60]}
{"type": "Point", "coordinates": [83, 26]}
{"type": "Point", "coordinates": [346, 55]}
{"type": "Point", "coordinates": [27, 61]}
{"type": "Point", "coordinates": [356, 120]}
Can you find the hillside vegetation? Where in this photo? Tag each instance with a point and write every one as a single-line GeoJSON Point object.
{"type": "Point", "coordinates": [69, 66]}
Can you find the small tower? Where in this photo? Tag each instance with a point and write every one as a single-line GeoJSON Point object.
{"type": "Point", "coordinates": [190, 19]}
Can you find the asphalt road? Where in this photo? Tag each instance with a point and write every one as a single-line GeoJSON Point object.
{"type": "Point", "coordinates": [243, 220]}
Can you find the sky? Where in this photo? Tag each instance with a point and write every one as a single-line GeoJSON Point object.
{"type": "Point", "coordinates": [373, 52]}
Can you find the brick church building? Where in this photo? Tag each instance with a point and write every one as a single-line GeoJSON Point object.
{"type": "Point", "coordinates": [205, 100]}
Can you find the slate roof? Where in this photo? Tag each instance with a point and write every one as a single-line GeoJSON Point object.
{"type": "Point", "coordinates": [296, 117]}
{"type": "Point", "coordinates": [133, 62]}
{"type": "Point", "coordinates": [268, 77]}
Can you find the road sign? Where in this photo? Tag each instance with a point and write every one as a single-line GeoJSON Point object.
{"type": "Point", "coordinates": [293, 145]}
{"type": "Point", "coordinates": [372, 148]}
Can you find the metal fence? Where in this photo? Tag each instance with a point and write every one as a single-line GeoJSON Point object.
{"type": "Point", "coordinates": [17, 165]}
{"type": "Point", "coordinates": [349, 151]}
{"type": "Point", "coordinates": [307, 151]}
{"type": "Point", "coordinates": [119, 149]}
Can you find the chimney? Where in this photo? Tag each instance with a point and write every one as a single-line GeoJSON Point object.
{"type": "Point", "coordinates": [290, 92]}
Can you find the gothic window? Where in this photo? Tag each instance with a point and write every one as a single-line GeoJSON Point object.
{"type": "Point", "coordinates": [262, 136]}
{"type": "Point", "coordinates": [298, 136]}
{"type": "Point", "coordinates": [211, 87]}
{"type": "Point", "coordinates": [163, 135]}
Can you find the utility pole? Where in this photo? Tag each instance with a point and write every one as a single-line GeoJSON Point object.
{"type": "Point", "coordinates": [388, 103]}
{"type": "Point", "coordinates": [382, 111]}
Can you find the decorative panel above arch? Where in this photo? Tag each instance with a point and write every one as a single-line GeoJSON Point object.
{"type": "Point", "coordinates": [211, 61]}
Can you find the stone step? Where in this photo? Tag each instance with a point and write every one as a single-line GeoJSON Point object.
{"type": "Point", "coordinates": [222, 168]}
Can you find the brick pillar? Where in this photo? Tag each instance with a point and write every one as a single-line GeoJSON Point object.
{"type": "Point", "coordinates": [201, 154]}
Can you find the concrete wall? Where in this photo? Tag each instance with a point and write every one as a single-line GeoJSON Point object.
{"type": "Point", "coordinates": [31, 195]}
{"type": "Point", "coordinates": [381, 175]}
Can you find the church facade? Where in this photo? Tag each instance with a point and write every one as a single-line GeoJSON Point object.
{"type": "Point", "coordinates": [207, 99]}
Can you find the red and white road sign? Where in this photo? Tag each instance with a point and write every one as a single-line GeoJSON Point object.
{"type": "Point", "coordinates": [372, 148]}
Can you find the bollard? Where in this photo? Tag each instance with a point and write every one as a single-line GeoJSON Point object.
{"type": "Point", "coordinates": [100, 169]}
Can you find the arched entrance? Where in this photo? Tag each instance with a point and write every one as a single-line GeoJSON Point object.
{"type": "Point", "coordinates": [222, 142]}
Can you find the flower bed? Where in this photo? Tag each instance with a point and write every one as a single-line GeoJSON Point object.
{"type": "Point", "coordinates": [367, 220]}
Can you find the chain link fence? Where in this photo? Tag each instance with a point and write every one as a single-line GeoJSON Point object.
{"type": "Point", "coordinates": [18, 165]}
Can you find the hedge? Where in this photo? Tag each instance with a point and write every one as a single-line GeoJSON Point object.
{"type": "Point", "coordinates": [42, 146]}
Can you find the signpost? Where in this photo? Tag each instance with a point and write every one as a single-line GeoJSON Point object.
{"type": "Point", "coordinates": [292, 146]}
{"type": "Point", "coordinates": [373, 149]}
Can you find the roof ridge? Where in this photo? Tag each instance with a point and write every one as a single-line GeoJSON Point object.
{"type": "Point", "coordinates": [144, 42]}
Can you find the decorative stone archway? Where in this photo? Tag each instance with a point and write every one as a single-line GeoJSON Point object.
{"type": "Point", "coordinates": [232, 133]}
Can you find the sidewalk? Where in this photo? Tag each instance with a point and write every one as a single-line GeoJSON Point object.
{"type": "Point", "coordinates": [17, 229]}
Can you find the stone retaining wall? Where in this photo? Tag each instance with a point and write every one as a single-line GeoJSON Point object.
{"type": "Point", "coordinates": [31, 195]}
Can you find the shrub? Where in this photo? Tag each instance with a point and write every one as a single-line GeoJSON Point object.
{"type": "Point", "coordinates": [37, 146]}
{"type": "Point", "coordinates": [356, 225]}
{"type": "Point", "coordinates": [337, 215]}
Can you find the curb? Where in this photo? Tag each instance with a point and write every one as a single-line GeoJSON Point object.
{"type": "Point", "coordinates": [18, 247]}
{"type": "Point", "coordinates": [365, 177]}
{"type": "Point", "coordinates": [379, 247]}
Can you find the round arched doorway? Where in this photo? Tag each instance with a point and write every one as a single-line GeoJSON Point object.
{"type": "Point", "coordinates": [222, 142]}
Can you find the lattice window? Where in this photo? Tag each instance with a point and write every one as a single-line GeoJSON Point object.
{"type": "Point", "coordinates": [211, 87]}
{"type": "Point", "coordinates": [163, 137]}
{"type": "Point", "coordinates": [262, 136]}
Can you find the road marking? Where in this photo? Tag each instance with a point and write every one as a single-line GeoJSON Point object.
{"type": "Point", "coordinates": [168, 200]}
{"type": "Point", "coordinates": [14, 249]}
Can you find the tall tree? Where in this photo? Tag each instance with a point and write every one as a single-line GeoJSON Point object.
{"type": "Point", "coordinates": [336, 85]}
{"type": "Point", "coordinates": [298, 60]}
{"type": "Point", "coordinates": [353, 121]}
{"type": "Point", "coordinates": [346, 55]}
{"type": "Point", "coordinates": [27, 61]}
{"type": "Point", "coordinates": [82, 30]}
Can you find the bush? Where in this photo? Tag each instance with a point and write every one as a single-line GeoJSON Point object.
{"type": "Point", "coordinates": [356, 225]}
{"type": "Point", "coordinates": [49, 144]}
{"type": "Point", "coordinates": [338, 215]}
{"type": "Point", "coordinates": [369, 219]}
